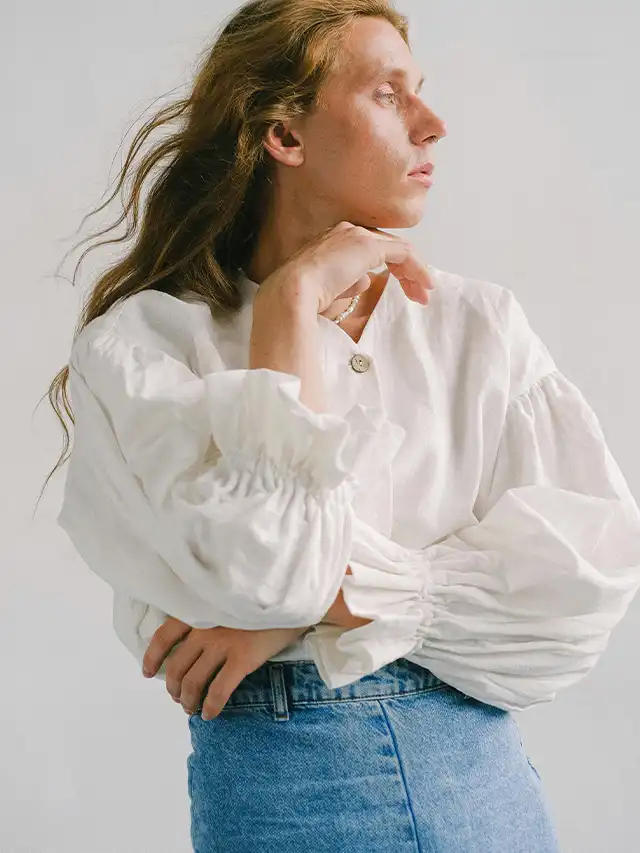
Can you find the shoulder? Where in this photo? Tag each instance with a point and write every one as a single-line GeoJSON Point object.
{"type": "Point", "coordinates": [475, 298]}
{"type": "Point", "coordinates": [476, 303]}
{"type": "Point", "coordinates": [148, 326]}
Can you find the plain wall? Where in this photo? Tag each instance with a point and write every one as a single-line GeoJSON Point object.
{"type": "Point", "coordinates": [538, 189]}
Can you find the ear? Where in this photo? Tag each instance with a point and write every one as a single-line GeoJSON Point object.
{"type": "Point", "coordinates": [285, 144]}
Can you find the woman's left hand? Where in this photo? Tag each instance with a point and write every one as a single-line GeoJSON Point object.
{"type": "Point", "coordinates": [200, 653]}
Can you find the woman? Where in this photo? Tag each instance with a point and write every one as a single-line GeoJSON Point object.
{"type": "Point", "coordinates": [355, 522]}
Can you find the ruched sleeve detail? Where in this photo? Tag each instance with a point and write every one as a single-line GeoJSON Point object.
{"type": "Point", "coordinates": [521, 604]}
{"type": "Point", "coordinates": [243, 490]}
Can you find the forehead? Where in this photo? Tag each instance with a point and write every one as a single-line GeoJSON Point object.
{"type": "Point", "coordinates": [392, 68]}
{"type": "Point", "coordinates": [373, 48]}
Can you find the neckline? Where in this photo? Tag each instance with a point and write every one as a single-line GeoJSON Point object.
{"type": "Point", "coordinates": [380, 310]}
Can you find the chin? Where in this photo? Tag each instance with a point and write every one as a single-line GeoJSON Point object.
{"type": "Point", "coordinates": [411, 216]}
{"type": "Point", "coordinates": [404, 215]}
{"type": "Point", "coordinates": [402, 211]}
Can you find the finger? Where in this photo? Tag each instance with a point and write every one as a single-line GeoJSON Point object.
{"type": "Point", "coordinates": [179, 662]}
{"type": "Point", "coordinates": [417, 291]}
{"type": "Point", "coordinates": [164, 639]}
{"type": "Point", "coordinates": [408, 268]}
{"type": "Point", "coordinates": [400, 256]}
{"type": "Point", "coordinates": [221, 689]}
{"type": "Point", "coordinates": [359, 286]}
{"type": "Point", "coordinates": [198, 678]}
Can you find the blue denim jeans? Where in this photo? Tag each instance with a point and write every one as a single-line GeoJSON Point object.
{"type": "Point", "coordinates": [398, 762]}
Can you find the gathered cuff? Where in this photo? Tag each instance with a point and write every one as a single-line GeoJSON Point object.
{"type": "Point", "coordinates": [257, 413]}
{"type": "Point", "coordinates": [392, 590]}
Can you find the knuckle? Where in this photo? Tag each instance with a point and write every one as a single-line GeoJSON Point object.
{"type": "Point", "coordinates": [190, 685]}
{"type": "Point", "coordinates": [362, 239]}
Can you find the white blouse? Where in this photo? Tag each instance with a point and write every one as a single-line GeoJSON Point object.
{"type": "Point", "coordinates": [492, 537]}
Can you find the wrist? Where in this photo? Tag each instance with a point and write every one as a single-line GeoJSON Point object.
{"type": "Point", "coordinates": [295, 294]}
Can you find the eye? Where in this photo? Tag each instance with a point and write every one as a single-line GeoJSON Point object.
{"type": "Point", "coordinates": [388, 95]}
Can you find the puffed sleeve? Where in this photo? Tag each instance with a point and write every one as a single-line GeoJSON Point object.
{"type": "Point", "coordinates": [522, 603]}
{"type": "Point", "coordinates": [243, 491]}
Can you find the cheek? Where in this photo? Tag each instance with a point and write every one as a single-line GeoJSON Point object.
{"type": "Point", "coordinates": [367, 144]}
{"type": "Point", "coordinates": [384, 140]}
{"type": "Point", "coordinates": [377, 147]}
{"type": "Point", "coordinates": [382, 159]}
{"type": "Point", "coordinates": [362, 124]}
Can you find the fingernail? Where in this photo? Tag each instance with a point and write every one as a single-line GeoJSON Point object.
{"type": "Point", "coordinates": [145, 672]}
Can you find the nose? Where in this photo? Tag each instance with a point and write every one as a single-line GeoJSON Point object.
{"type": "Point", "coordinates": [431, 128]}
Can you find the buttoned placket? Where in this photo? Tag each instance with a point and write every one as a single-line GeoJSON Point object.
{"type": "Point", "coordinates": [351, 376]}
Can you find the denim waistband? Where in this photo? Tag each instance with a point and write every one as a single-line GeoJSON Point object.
{"type": "Point", "coordinates": [280, 685]}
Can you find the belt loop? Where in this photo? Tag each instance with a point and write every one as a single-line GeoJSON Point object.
{"type": "Point", "coordinates": [278, 691]}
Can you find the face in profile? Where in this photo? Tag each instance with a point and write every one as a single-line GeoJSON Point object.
{"type": "Point", "coordinates": [372, 129]}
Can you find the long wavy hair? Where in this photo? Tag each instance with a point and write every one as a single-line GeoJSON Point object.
{"type": "Point", "coordinates": [199, 224]}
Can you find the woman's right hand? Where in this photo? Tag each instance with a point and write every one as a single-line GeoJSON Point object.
{"type": "Point", "coordinates": [334, 265]}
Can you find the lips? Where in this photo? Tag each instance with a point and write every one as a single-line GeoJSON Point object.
{"type": "Point", "coordinates": [425, 169]}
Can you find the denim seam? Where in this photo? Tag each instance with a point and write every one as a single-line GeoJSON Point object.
{"type": "Point", "coordinates": [530, 763]}
{"type": "Point", "coordinates": [301, 703]}
{"type": "Point", "coordinates": [377, 697]}
{"type": "Point", "coordinates": [402, 775]}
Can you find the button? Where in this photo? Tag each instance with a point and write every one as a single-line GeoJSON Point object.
{"type": "Point", "coordinates": [360, 363]}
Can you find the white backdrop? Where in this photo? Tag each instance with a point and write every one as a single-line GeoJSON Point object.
{"type": "Point", "coordinates": [538, 188]}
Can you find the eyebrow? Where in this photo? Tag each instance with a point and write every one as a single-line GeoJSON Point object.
{"type": "Point", "coordinates": [382, 70]}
